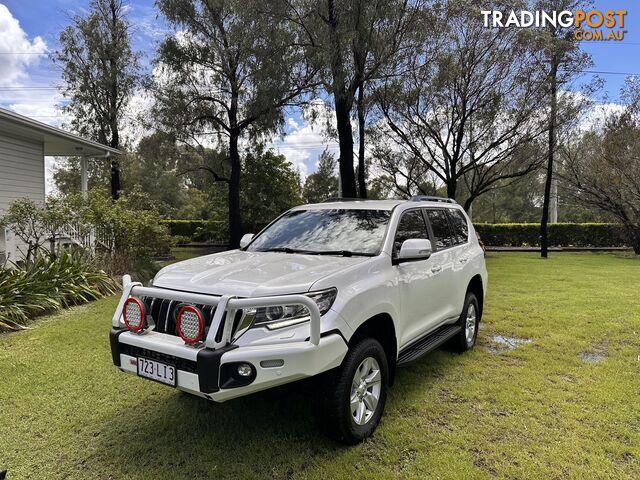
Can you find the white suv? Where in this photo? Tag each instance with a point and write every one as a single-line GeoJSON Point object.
{"type": "Point", "coordinates": [351, 288]}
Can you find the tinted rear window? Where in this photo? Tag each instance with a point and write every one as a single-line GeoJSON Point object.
{"type": "Point", "coordinates": [459, 226]}
{"type": "Point", "coordinates": [440, 226]}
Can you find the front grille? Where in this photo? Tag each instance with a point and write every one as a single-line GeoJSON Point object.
{"type": "Point", "coordinates": [164, 314]}
{"type": "Point", "coordinates": [180, 363]}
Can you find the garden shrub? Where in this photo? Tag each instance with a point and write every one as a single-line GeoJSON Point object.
{"type": "Point", "coordinates": [129, 231]}
{"type": "Point", "coordinates": [47, 284]}
{"type": "Point", "coordinates": [560, 234]}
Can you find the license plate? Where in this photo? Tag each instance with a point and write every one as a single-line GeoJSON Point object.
{"type": "Point", "coordinates": [160, 372]}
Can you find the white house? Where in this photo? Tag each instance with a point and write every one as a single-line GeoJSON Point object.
{"type": "Point", "coordinates": [24, 143]}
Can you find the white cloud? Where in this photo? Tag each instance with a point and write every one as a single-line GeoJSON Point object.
{"type": "Point", "coordinates": [18, 57]}
{"type": "Point", "coordinates": [597, 115]}
{"type": "Point", "coordinates": [306, 139]}
{"type": "Point", "coordinates": [17, 52]}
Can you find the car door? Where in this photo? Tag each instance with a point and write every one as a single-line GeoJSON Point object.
{"type": "Point", "coordinates": [443, 258]}
{"type": "Point", "coordinates": [422, 296]}
{"type": "Point", "coordinates": [461, 256]}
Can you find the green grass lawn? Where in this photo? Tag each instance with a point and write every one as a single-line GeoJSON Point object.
{"type": "Point", "coordinates": [540, 410]}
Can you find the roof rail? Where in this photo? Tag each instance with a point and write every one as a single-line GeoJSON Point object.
{"type": "Point", "coordinates": [342, 199]}
{"type": "Point", "coordinates": [427, 198]}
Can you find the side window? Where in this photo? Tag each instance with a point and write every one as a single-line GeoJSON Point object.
{"type": "Point", "coordinates": [440, 226]}
{"type": "Point", "coordinates": [459, 227]}
{"type": "Point", "coordinates": [411, 225]}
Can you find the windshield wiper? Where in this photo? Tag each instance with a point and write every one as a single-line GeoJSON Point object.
{"type": "Point", "coordinates": [284, 250]}
{"type": "Point", "coordinates": [343, 253]}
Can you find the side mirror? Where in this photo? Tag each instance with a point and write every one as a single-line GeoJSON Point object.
{"type": "Point", "coordinates": [246, 239]}
{"type": "Point", "coordinates": [414, 249]}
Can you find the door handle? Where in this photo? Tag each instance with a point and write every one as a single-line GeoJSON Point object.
{"type": "Point", "coordinates": [436, 268]}
{"type": "Point", "coordinates": [464, 260]}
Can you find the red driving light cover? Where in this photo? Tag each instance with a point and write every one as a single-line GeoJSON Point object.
{"type": "Point", "coordinates": [190, 324]}
{"type": "Point", "coordinates": [134, 314]}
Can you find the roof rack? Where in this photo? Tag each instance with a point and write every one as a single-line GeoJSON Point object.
{"type": "Point", "coordinates": [342, 199]}
{"type": "Point", "coordinates": [426, 198]}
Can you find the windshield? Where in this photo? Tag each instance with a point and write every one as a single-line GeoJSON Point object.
{"type": "Point", "coordinates": [337, 231]}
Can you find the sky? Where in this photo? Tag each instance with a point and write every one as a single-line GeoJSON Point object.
{"type": "Point", "coordinates": [29, 79]}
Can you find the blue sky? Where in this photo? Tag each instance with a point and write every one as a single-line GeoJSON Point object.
{"type": "Point", "coordinates": [38, 23]}
{"type": "Point", "coordinates": [617, 56]}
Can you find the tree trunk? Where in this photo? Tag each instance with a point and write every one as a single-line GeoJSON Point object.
{"type": "Point", "coordinates": [451, 189]}
{"type": "Point", "coordinates": [468, 204]}
{"type": "Point", "coordinates": [235, 225]}
{"type": "Point", "coordinates": [115, 143]}
{"type": "Point", "coordinates": [634, 236]}
{"type": "Point", "coordinates": [115, 179]}
{"type": "Point", "coordinates": [343, 99]}
{"type": "Point", "coordinates": [362, 177]}
{"type": "Point", "coordinates": [345, 138]}
{"type": "Point", "coordinates": [544, 242]}
{"type": "Point", "coordinates": [113, 103]}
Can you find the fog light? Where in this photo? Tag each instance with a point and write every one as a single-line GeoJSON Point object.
{"type": "Point", "coordinates": [245, 370]}
{"type": "Point", "coordinates": [190, 324]}
{"type": "Point", "coordinates": [133, 313]}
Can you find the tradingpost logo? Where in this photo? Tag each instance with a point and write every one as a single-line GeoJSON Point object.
{"type": "Point", "coordinates": [592, 25]}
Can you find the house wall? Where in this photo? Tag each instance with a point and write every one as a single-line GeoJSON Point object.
{"type": "Point", "coordinates": [21, 175]}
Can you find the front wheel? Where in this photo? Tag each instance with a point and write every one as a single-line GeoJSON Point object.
{"type": "Point", "coordinates": [357, 393]}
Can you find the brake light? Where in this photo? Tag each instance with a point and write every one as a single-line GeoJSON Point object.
{"type": "Point", "coordinates": [480, 242]}
{"type": "Point", "coordinates": [134, 314]}
{"type": "Point", "coordinates": [190, 324]}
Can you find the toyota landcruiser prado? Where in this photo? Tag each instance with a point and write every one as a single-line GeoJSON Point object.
{"type": "Point", "coordinates": [351, 288]}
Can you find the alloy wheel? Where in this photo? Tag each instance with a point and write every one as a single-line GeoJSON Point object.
{"type": "Point", "coordinates": [365, 391]}
{"type": "Point", "coordinates": [470, 324]}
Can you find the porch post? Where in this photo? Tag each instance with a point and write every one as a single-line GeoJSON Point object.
{"type": "Point", "coordinates": [84, 176]}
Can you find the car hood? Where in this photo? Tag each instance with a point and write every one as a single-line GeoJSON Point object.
{"type": "Point", "coordinates": [248, 274]}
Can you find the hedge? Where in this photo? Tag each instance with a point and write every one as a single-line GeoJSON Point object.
{"type": "Point", "coordinates": [560, 234]}
{"type": "Point", "coordinates": [494, 235]}
{"type": "Point", "coordinates": [199, 230]}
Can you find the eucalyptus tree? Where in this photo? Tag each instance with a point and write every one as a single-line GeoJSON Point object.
{"type": "Point", "coordinates": [224, 76]}
{"type": "Point", "coordinates": [323, 183]}
{"type": "Point", "coordinates": [602, 169]}
{"type": "Point", "coordinates": [561, 59]}
{"type": "Point", "coordinates": [101, 72]}
{"type": "Point", "coordinates": [464, 111]}
{"type": "Point", "coordinates": [354, 42]}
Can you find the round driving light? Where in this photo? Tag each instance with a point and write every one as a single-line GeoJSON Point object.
{"type": "Point", "coordinates": [134, 314]}
{"type": "Point", "coordinates": [190, 324]}
{"type": "Point", "coordinates": [245, 370]}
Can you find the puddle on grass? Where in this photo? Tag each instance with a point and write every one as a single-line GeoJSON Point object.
{"type": "Point", "coordinates": [501, 343]}
{"type": "Point", "coordinates": [591, 357]}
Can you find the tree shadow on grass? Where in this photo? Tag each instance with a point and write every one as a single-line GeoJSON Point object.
{"type": "Point", "coordinates": [270, 434]}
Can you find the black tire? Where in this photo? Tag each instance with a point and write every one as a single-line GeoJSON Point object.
{"type": "Point", "coordinates": [337, 419]}
{"type": "Point", "coordinates": [460, 343]}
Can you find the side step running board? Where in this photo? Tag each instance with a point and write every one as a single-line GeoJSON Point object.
{"type": "Point", "coordinates": [427, 344]}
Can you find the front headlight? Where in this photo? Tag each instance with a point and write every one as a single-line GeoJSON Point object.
{"type": "Point", "coordinates": [286, 315]}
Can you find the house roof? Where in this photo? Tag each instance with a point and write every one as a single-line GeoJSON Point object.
{"type": "Point", "coordinates": [55, 140]}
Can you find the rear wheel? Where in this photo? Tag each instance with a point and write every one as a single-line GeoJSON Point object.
{"type": "Point", "coordinates": [469, 321]}
{"type": "Point", "coordinates": [357, 393]}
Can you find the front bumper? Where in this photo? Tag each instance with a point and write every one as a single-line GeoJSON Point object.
{"type": "Point", "coordinates": [208, 370]}
{"type": "Point", "coordinates": [199, 369]}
